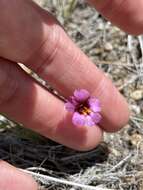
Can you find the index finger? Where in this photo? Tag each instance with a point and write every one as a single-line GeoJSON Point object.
{"type": "Point", "coordinates": [65, 67]}
{"type": "Point", "coordinates": [44, 47]}
{"type": "Point", "coordinates": [126, 14]}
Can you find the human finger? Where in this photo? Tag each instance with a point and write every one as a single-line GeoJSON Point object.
{"type": "Point", "coordinates": [67, 68]}
{"type": "Point", "coordinates": [24, 100]}
{"type": "Point", "coordinates": [13, 179]}
{"type": "Point", "coordinates": [127, 14]}
{"type": "Point", "coordinates": [43, 46]}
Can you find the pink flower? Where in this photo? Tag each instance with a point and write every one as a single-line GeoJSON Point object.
{"type": "Point", "coordinates": [86, 109]}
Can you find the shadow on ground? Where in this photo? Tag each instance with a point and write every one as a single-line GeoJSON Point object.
{"type": "Point", "coordinates": [25, 149]}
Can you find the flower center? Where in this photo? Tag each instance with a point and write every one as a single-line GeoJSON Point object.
{"type": "Point", "coordinates": [84, 110]}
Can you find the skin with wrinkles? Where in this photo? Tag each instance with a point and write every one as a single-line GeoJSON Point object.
{"type": "Point", "coordinates": [46, 58]}
{"type": "Point", "coordinates": [37, 40]}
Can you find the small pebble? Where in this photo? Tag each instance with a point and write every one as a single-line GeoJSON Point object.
{"type": "Point", "coordinates": [135, 139]}
{"type": "Point", "coordinates": [100, 26]}
{"type": "Point", "coordinates": [108, 46]}
{"type": "Point", "coordinates": [137, 95]}
{"type": "Point", "coordinates": [136, 109]}
{"type": "Point", "coordinates": [2, 118]}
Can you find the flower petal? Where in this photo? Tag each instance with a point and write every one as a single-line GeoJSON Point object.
{"type": "Point", "coordinates": [94, 104]}
{"type": "Point", "coordinates": [96, 117]}
{"type": "Point", "coordinates": [81, 95]}
{"type": "Point", "coordinates": [70, 107]}
{"type": "Point", "coordinates": [73, 101]}
{"type": "Point", "coordinates": [78, 119]}
{"type": "Point", "coordinates": [89, 122]}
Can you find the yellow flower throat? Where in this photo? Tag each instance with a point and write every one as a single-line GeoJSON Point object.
{"type": "Point", "coordinates": [84, 110]}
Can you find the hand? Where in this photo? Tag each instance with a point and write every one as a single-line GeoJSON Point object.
{"type": "Point", "coordinates": [30, 35]}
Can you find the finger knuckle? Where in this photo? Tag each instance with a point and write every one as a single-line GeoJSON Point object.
{"type": "Point", "coordinates": [50, 49]}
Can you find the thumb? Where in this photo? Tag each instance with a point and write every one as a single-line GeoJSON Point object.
{"type": "Point", "coordinates": [13, 179]}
